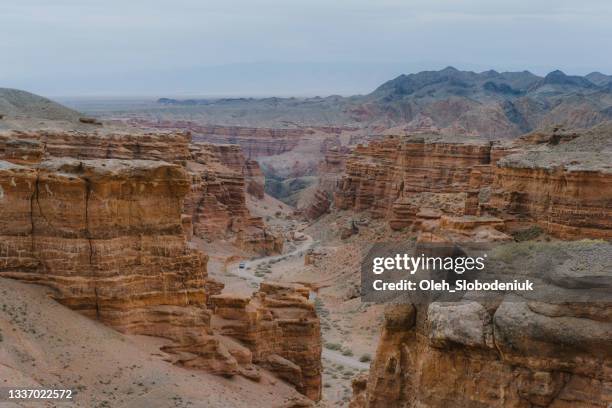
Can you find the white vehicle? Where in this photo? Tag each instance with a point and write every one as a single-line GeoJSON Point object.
{"type": "Point", "coordinates": [242, 265]}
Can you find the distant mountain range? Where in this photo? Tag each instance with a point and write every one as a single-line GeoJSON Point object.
{"type": "Point", "coordinates": [490, 104]}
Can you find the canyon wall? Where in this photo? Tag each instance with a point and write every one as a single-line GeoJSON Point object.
{"type": "Point", "coordinates": [220, 176]}
{"type": "Point", "coordinates": [329, 171]}
{"type": "Point", "coordinates": [255, 142]}
{"type": "Point", "coordinates": [109, 237]}
{"type": "Point", "coordinates": [567, 200]}
{"type": "Point", "coordinates": [231, 157]}
{"type": "Point", "coordinates": [513, 351]}
{"type": "Point", "coordinates": [397, 177]}
{"type": "Point", "coordinates": [217, 203]}
{"type": "Point", "coordinates": [106, 235]}
{"type": "Point", "coordinates": [173, 148]}
{"type": "Point", "coordinates": [21, 151]}
{"type": "Point", "coordinates": [280, 328]}
{"type": "Point", "coordinates": [510, 354]}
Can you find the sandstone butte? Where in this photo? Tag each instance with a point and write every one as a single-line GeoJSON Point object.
{"type": "Point", "coordinates": [509, 352]}
{"type": "Point", "coordinates": [100, 218]}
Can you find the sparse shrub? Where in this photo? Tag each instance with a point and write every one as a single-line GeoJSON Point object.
{"type": "Point", "coordinates": [347, 352]}
{"type": "Point", "coordinates": [528, 234]}
{"type": "Point", "coordinates": [366, 358]}
{"type": "Point", "coordinates": [333, 346]}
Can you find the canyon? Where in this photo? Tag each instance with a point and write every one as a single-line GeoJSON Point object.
{"type": "Point", "coordinates": [160, 225]}
{"type": "Point", "coordinates": [105, 221]}
{"type": "Point", "coordinates": [508, 351]}
{"type": "Point", "coordinates": [289, 157]}
{"type": "Point", "coordinates": [552, 184]}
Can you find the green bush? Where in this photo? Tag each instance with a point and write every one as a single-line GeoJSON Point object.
{"type": "Point", "coordinates": [528, 234]}
{"type": "Point", "coordinates": [366, 358]}
{"type": "Point", "coordinates": [333, 346]}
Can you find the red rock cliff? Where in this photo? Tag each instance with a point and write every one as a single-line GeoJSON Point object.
{"type": "Point", "coordinates": [280, 327]}
{"type": "Point", "coordinates": [508, 353]}
{"type": "Point", "coordinates": [565, 192]}
{"type": "Point", "coordinates": [568, 198]}
{"type": "Point", "coordinates": [107, 236]}
{"type": "Point", "coordinates": [111, 145]}
{"type": "Point", "coordinates": [380, 176]}
{"type": "Point", "coordinates": [217, 201]}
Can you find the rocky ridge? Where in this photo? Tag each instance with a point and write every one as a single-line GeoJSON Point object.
{"type": "Point", "coordinates": [490, 104]}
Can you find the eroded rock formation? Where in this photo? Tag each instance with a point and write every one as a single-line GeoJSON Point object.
{"type": "Point", "coordinates": [529, 351]}
{"type": "Point", "coordinates": [217, 202]}
{"type": "Point", "coordinates": [280, 328]}
{"type": "Point", "coordinates": [255, 142]}
{"type": "Point", "coordinates": [173, 148]}
{"type": "Point", "coordinates": [510, 353]}
{"type": "Point", "coordinates": [232, 158]}
{"type": "Point", "coordinates": [220, 175]}
{"type": "Point", "coordinates": [21, 151]}
{"type": "Point", "coordinates": [380, 173]}
{"type": "Point", "coordinates": [329, 171]}
{"type": "Point", "coordinates": [563, 189]}
{"type": "Point", "coordinates": [566, 198]}
{"type": "Point", "coordinates": [107, 236]}
{"type": "Point", "coordinates": [110, 236]}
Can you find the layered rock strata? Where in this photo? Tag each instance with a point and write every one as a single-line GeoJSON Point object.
{"type": "Point", "coordinates": [534, 352]}
{"type": "Point", "coordinates": [110, 237]}
{"type": "Point", "coordinates": [379, 174]}
{"type": "Point", "coordinates": [255, 142]}
{"type": "Point", "coordinates": [329, 171]}
{"type": "Point", "coordinates": [280, 327]}
{"type": "Point", "coordinates": [21, 151]}
{"type": "Point", "coordinates": [173, 148]}
{"type": "Point", "coordinates": [107, 236]}
{"type": "Point", "coordinates": [220, 175]}
{"type": "Point", "coordinates": [567, 199]}
{"type": "Point", "coordinates": [565, 192]}
{"type": "Point", "coordinates": [231, 157]}
{"type": "Point", "coordinates": [217, 202]}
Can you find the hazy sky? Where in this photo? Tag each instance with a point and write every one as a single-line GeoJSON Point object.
{"type": "Point", "coordinates": [283, 47]}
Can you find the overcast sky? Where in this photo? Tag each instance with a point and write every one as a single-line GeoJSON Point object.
{"type": "Point", "coordinates": [287, 47]}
